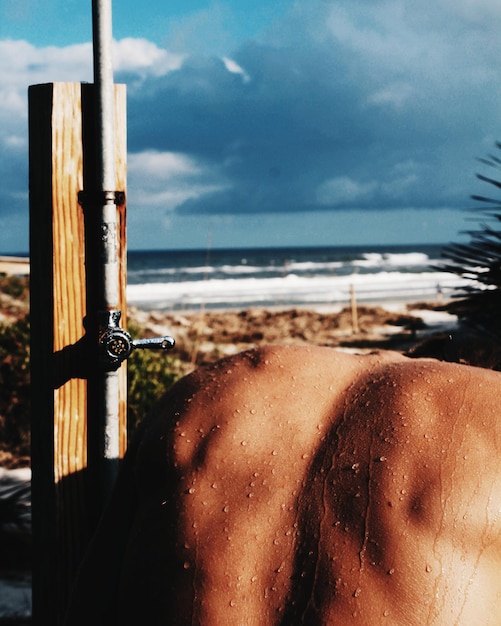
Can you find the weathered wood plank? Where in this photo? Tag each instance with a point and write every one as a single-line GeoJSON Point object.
{"type": "Point", "coordinates": [62, 497]}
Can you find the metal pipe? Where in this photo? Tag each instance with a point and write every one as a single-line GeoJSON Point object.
{"type": "Point", "coordinates": [108, 297]}
{"type": "Point", "coordinates": [103, 80]}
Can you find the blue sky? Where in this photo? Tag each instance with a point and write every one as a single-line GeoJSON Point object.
{"type": "Point", "coordinates": [273, 122]}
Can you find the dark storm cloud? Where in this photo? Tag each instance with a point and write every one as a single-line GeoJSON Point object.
{"type": "Point", "coordinates": [342, 104]}
{"type": "Point", "coordinates": [346, 110]}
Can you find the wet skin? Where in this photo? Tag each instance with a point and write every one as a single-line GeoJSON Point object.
{"type": "Point", "coordinates": [306, 486]}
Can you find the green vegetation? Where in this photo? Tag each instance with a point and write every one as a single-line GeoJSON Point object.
{"type": "Point", "coordinates": [15, 386]}
{"type": "Point", "coordinates": [480, 260]}
{"type": "Point", "coordinates": [149, 373]}
{"type": "Point", "coordinates": [15, 286]}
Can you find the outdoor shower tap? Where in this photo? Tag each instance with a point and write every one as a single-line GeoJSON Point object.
{"type": "Point", "coordinates": [116, 344]}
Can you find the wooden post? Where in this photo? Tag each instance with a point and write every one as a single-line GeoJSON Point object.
{"type": "Point", "coordinates": [354, 310]}
{"type": "Point", "coordinates": [63, 272]}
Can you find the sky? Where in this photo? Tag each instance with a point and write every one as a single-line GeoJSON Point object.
{"type": "Point", "coordinates": [273, 122]}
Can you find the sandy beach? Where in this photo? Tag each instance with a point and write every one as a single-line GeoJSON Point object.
{"type": "Point", "coordinates": [14, 265]}
{"type": "Point", "coordinates": [203, 336]}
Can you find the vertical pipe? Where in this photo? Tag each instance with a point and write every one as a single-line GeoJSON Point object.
{"type": "Point", "coordinates": [108, 296]}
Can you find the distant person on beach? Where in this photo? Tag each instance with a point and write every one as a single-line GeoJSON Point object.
{"type": "Point", "coordinates": [307, 486]}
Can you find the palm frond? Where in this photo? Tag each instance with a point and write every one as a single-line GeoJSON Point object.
{"type": "Point", "coordinates": [479, 260]}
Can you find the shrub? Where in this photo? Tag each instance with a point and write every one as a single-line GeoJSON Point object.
{"type": "Point", "coordinates": [150, 373]}
{"type": "Point", "coordinates": [15, 286]}
{"type": "Point", "coordinates": [15, 386]}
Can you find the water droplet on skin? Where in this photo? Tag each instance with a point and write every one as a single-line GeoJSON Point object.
{"type": "Point", "coordinates": [357, 592]}
{"type": "Point", "coordinates": [386, 613]}
{"type": "Point", "coordinates": [428, 568]}
{"type": "Point", "coordinates": [243, 443]}
{"type": "Point", "coordinates": [253, 579]}
{"type": "Point", "coordinates": [274, 452]}
{"type": "Point", "coordinates": [253, 411]}
{"type": "Point", "coordinates": [186, 565]}
{"type": "Point", "coordinates": [214, 485]}
{"type": "Point", "coordinates": [191, 490]}
{"type": "Point", "coordinates": [232, 602]}
{"type": "Point", "coordinates": [391, 571]}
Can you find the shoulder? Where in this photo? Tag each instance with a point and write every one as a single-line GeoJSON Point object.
{"type": "Point", "coordinates": [290, 394]}
{"type": "Point", "coordinates": [249, 397]}
{"type": "Point", "coordinates": [273, 392]}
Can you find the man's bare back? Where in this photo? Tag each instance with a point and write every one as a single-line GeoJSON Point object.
{"type": "Point", "coordinates": [306, 486]}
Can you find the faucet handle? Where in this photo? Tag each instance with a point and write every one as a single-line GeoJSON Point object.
{"type": "Point", "coordinates": [154, 343]}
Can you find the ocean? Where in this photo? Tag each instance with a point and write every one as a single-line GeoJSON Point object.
{"type": "Point", "coordinates": [170, 280]}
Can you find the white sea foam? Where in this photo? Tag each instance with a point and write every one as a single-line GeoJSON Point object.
{"type": "Point", "coordinates": [377, 259]}
{"type": "Point", "coordinates": [286, 276]}
{"type": "Point", "coordinates": [293, 289]}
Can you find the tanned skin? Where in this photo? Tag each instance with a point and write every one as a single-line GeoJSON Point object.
{"type": "Point", "coordinates": [292, 485]}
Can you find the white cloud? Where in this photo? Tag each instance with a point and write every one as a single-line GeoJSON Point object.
{"type": "Point", "coordinates": [144, 58]}
{"type": "Point", "coordinates": [342, 94]}
{"type": "Point", "coordinates": [161, 166]}
{"type": "Point", "coordinates": [234, 68]}
{"type": "Point", "coordinates": [395, 94]}
{"type": "Point", "coordinates": [395, 187]}
{"type": "Point", "coordinates": [381, 34]}
{"type": "Point", "coordinates": [162, 181]}
{"type": "Point", "coordinates": [343, 190]}
{"type": "Point", "coordinates": [25, 64]}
